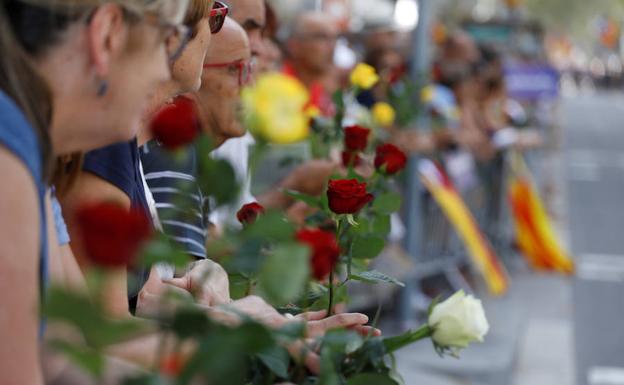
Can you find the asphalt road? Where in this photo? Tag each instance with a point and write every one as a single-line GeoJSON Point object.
{"type": "Point", "coordinates": [594, 171]}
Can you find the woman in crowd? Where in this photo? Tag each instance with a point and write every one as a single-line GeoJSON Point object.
{"type": "Point", "coordinates": [113, 173]}
{"type": "Point", "coordinates": [85, 54]}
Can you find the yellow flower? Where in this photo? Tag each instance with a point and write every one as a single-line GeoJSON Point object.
{"type": "Point", "coordinates": [383, 114]}
{"type": "Point", "coordinates": [312, 111]}
{"type": "Point", "coordinates": [427, 94]}
{"type": "Point", "coordinates": [274, 109]}
{"type": "Point", "coordinates": [364, 76]}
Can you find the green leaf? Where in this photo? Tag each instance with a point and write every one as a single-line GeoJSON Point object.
{"type": "Point", "coordinates": [89, 318]}
{"type": "Point", "coordinates": [223, 354]}
{"type": "Point", "coordinates": [271, 226]}
{"type": "Point", "coordinates": [239, 286]}
{"type": "Point", "coordinates": [375, 277]}
{"type": "Point", "coordinates": [367, 246]}
{"type": "Point", "coordinates": [371, 379]}
{"type": "Point", "coordinates": [217, 179]}
{"type": "Point", "coordinates": [277, 360]}
{"type": "Point", "coordinates": [163, 250]}
{"type": "Point", "coordinates": [305, 198]}
{"type": "Point", "coordinates": [387, 203]}
{"type": "Point", "coordinates": [284, 274]}
{"type": "Point", "coordinates": [190, 322]}
{"type": "Point", "coordinates": [381, 225]}
{"type": "Point", "coordinates": [150, 379]}
{"type": "Point", "coordinates": [88, 359]}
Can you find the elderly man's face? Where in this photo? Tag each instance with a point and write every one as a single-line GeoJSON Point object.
{"type": "Point", "coordinates": [314, 44]}
{"type": "Point", "coordinates": [251, 15]}
{"type": "Point", "coordinates": [226, 71]}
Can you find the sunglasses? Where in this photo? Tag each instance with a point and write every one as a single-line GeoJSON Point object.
{"type": "Point", "coordinates": [217, 16]}
{"type": "Point", "coordinates": [244, 67]}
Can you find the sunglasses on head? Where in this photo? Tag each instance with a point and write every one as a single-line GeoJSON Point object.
{"type": "Point", "coordinates": [217, 16]}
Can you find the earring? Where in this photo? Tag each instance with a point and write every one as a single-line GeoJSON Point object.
{"type": "Point", "coordinates": [102, 88]}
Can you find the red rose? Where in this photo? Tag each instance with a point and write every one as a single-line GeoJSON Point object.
{"type": "Point", "coordinates": [347, 196]}
{"type": "Point", "coordinates": [350, 159]}
{"type": "Point", "coordinates": [176, 124]}
{"type": "Point", "coordinates": [325, 251]}
{"type": "Point", "coordinates": [356, 138]}
{"type": "Point", "coordinates": [112, 236]}
{"type": "Point", "coordinates": [390, 156]}
{"type": "Point", "coordinates": [249, 212]}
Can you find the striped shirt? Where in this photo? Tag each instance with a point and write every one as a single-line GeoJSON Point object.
{"type": "Point", "coordinates": [182, 208]}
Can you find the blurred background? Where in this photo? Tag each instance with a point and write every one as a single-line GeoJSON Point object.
{"type": "Point", "coordinates": [558, 71]}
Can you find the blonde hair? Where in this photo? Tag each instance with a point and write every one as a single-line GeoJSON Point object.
{"type": "Point", "coordinates": [29, 27]}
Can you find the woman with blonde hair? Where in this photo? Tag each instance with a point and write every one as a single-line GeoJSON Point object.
{"type": "Point", "coordinates": [70, 65]}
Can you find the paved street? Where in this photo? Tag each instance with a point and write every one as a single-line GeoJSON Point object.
{"type": "Point", "coordinates": [552, 330]}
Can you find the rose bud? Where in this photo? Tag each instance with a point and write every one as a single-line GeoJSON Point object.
{"type": "Point", "coordinates": [325, 251]}
{"type": "Point", "coordinates": [176, 124]}
{"type": "Point", "coordinates": [356, 138]}
{"type": "Point", "coordinates": [112, 236]}
{"type": "Point", "coordinates": [391, 157]}
{"type": "Point", "coordinates": [249, 213]}
{"type": "Point", "coordinates": [347, 196]}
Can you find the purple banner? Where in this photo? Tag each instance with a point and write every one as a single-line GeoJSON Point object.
{"type": "Point", "coordinates": [531, 82]}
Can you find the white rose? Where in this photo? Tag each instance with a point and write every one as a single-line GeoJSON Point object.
{"type": "Point", "coordinates": [458, 321]}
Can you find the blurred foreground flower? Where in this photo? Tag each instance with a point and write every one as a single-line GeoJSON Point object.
{"type": "Point", "coordinates": [356, 138]}
{"type": "Point", "coordinates": [390, 159]}
{"type": "Point", "coordinates": [112, 236]}
{"type": "Point", "coordinates": [458, 322]}
{"type": "Point", "coordinates": [383, 114]}
{"type": "Point", "coordinates": [249, 213]}
{"type": "Point", "coordinates": [275, 109]}
{"type": "Point", "coordinates": [324, 248]}
{"type": "Point", "coordinates": [176, 124]}
{"type": "Point", "coordinates": [364, 76]}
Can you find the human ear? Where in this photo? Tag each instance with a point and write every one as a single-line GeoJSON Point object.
{"type": "Point", "coordinates": [107, 37]}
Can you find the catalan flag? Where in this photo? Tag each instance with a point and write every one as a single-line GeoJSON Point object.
{"type": "Point", "coordinates": [535, 236]}
{"type": "Point", "coordinates": [479, 248]}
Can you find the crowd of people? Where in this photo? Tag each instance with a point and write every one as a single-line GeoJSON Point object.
{"type": "Point", "coordinates": [82, 84]}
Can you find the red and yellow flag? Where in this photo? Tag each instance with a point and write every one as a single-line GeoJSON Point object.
{"type": "Point", "coordinates": [479, 248]}
{"type": "Point", "coordinates": [535, 236]}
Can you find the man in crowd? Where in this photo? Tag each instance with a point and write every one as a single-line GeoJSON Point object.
{"type": "Point", "coordinates": [310, 50]}
{"type": "Point", "coordinates": [308, 178]}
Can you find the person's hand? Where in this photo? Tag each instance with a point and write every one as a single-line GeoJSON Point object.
{"type": "Point", "coordinates": [412, 141]}
{"type": "Point", "coordinates": [207, 281]}
{"type": "Point", "coordinates": [317, 324]}
{"type": "Point", "coordinates": [311, 177]}
{"type": "Point", "coordinates": [259, 310]}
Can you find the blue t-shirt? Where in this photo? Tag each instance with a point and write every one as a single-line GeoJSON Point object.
{"type": "Point", "coordinates": [19, 137]}
{"type": "Point", "coordinates": [119, 164]}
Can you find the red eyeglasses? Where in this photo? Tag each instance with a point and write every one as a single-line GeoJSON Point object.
{"type": "Point", "coordinates": [217, 16]}
{"type": "Point", "coordinates": [244, 68]}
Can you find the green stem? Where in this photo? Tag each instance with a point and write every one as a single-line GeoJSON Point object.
{"type": "Point", "coordinates": [330, 306]}
{"type": "Point", "coordinates": [395, 343]}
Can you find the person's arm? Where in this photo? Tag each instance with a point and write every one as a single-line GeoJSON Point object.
{"type": "Point", "coordinates": [19, 274]}
{"type": "Point", "coordinates": [90, 188]}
